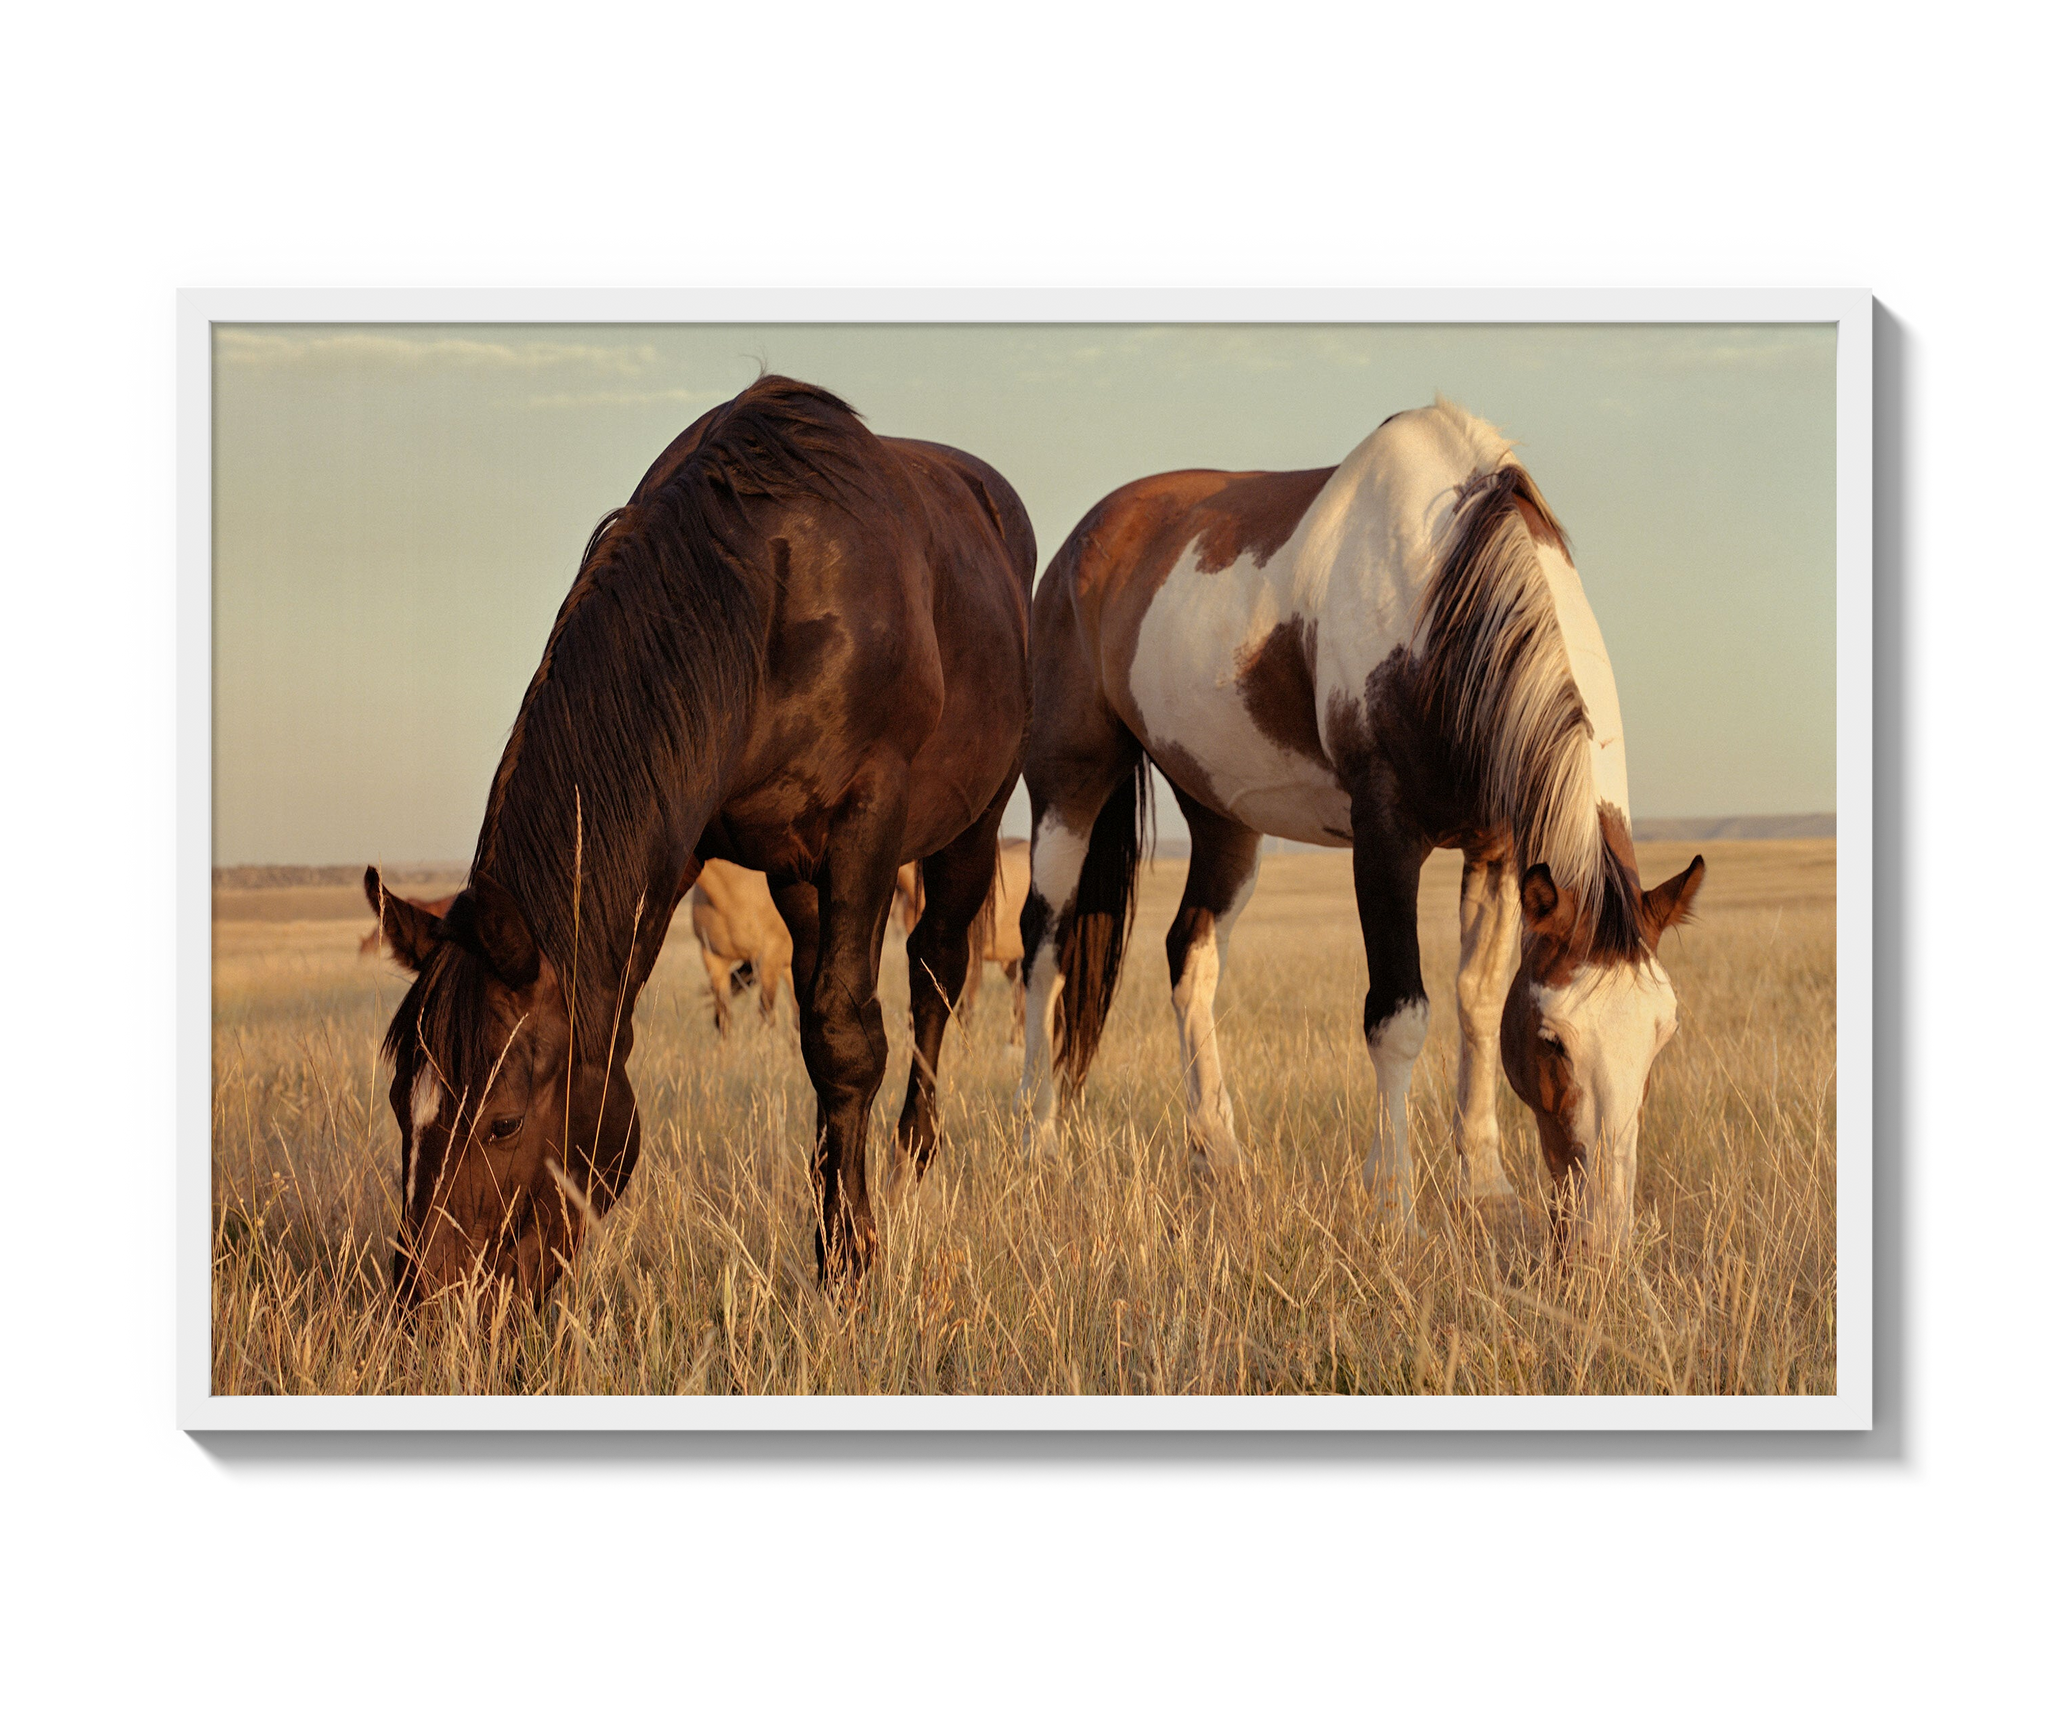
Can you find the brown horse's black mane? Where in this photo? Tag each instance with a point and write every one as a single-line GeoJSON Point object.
{"type": "Point", "coordinates": [643, 693]}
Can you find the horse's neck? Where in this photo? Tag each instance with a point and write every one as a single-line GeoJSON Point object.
{"type": "Point", "coordinates": [1618, 838]}
{"type": "Point", "coordinates": [1594, 675]}
{"type": "Point", "coordinates": [1361, 562]}
{"type": "Point", "coordinates": [622, 893]}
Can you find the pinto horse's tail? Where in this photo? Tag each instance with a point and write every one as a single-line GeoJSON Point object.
{"type": "Point", "coordinates": [1093, 936]}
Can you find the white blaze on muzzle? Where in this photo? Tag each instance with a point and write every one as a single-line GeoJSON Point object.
{"type": "Point", "coordinates": [1610, 1022]}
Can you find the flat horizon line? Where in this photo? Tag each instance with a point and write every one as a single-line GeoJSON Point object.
{"type": "Point", "coordinates": [1741, 826]}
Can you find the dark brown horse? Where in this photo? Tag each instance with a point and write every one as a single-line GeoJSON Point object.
{"type": "Point", "coordinates": [799, 647]}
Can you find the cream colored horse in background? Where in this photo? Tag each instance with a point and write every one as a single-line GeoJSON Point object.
{"type": "Point", "coordinates": [997, 934]}
{"type": "Point", "coordinates": [737, 927]}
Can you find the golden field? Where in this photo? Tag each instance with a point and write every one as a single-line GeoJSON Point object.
{"type": "Point", "coordinates": [1111, 1271]}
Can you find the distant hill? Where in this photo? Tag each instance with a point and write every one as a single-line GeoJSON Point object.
{"type": "Point", "coordinates": [1805, 826]}
{"type": "Point", "coordinates": [330, 876]}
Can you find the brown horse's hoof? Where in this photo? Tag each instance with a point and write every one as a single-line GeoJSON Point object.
{"type": "Point", "coordinates": [843, 1265]}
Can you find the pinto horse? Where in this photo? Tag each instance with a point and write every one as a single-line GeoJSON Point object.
{"type": "Point", "coordinates": [740, 935]}
{"type": "Point", "coordinates": [799, 647]}
{"type": "Point", "coordinates": [1392, 655]}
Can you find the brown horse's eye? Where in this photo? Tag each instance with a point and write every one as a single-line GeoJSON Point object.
{"type": "Point", "coordinates": [505, 1127]}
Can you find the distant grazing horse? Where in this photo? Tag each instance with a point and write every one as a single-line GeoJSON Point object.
{"type": "Point", "coordinates": [996, 936]}
{"type": "Point", "coordinates": [733, 913]}
{"type": "Point", "coordinates": [909, 902]}
{"type": "Point", "coordinates": [799, 647]}
{"type": "Point", "coordinates": [1394, 655]}
{"type": "Point", "coordinates": [373, 939]}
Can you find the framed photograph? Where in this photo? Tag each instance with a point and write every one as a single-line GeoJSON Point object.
{"type": "Point", "coordinates": [913, 860]}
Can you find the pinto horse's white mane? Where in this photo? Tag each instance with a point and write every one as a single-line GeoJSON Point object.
{"type": "Point", "coordinates": [1511, 662]}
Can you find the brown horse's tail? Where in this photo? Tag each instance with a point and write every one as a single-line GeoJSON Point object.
{"type": "Point", "coordinates": [1093, 938]}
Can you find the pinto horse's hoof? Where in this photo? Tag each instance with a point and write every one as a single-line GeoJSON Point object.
{"type": "Point", "coordinates": [1390, 1208]}
{"type": "Point", "coordinates": [1041, 1142]}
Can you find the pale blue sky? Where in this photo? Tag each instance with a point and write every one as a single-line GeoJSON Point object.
{"type": "Point", "coordinates": [398, 511]}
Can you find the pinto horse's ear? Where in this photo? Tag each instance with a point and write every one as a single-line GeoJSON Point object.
{"type": "Point", "coordinates": [1670, 903]}
{"type": "Point", "coordinates": [1545, 907]}
{"type": "Point", "coordinates": [409, 930]}
{"type": "Point", "coordinates": [485, 918]}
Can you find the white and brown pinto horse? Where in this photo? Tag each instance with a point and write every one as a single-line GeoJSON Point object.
{"type": "Point", "coordinates": [1392, 655]}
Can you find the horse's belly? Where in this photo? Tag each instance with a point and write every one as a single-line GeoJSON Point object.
{"type": "Point", "coordinates": [1321, 816]}
{"type": "Point", "coordinates": [1239, 739]}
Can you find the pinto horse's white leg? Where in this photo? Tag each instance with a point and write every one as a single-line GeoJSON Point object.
{"type": "Point", "coordinates": [1394, 1044]}
{"type": "Point", "coordinates": [1490, 946]}
{"type": "Point", "coordinates": [1212, 1130]}
{"type": "Point", "coordinates": [1057, 854]}
{"type": "Point", "coordinates": [1386, 869]}
{"type": "Point", "coordinates": [1223, 869]}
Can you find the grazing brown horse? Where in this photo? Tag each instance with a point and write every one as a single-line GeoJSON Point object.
{"type": "Point", "coordinates": [739, 934]}
{"type": "Point", "coordinates": [997, 935]}
{"type": "Point", "coordinates": [799, 647]}
{"type": "Point", "coordinates": [373, 938]}
{"type": "Point", "coordinates": [1392, 655]}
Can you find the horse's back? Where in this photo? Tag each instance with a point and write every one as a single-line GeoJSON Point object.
{"type": "Point", "coordinates": [896, 656]}
{"type": "Point", "coordinates": [1238, 620]}
{"type": "Point", "coordinates": [981, 553]}
{"type": "Point", "coordinates": [1173, 590]}
{"type": "Point", "coordinates": [939, 469]}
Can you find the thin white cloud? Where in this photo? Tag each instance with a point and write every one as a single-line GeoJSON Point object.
{"type": "Point", "coordinates": [629, 397]}
{"type": "Point", "coordinates": [1754, 346]}
{"type": "Point", "coordinates": [1108, 353]}
{"type": "Point", "coordinates": [273, 348]}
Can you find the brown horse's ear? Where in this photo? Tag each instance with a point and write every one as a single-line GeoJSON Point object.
{"type": "Point", "coordinates": [1547, 909]}
{"type": "Point", "coordinates": [485, 918]}
{"type": "Point", "coordinates": [1670, 903]}
{"type": "Point", "coordinates": [410, 931]}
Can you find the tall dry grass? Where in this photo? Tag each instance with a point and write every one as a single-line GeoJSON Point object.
{"type": "Point", "coordinates": [1112, 1270]}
